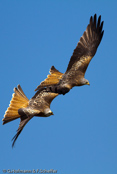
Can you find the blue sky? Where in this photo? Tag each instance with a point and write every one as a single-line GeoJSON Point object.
{"type": "Point", "coordinates": [81, 137]}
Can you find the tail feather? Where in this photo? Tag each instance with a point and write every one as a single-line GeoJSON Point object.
{"type": "Point", "coordinates": [18, 101]}
{"type": "Point", "coordinates": [22, 93]}
{"type": "Point", "coordinates": [52, 79]}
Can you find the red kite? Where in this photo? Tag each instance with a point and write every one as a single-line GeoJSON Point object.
{"type": "Point", "coordinates": [25, 109]}
{"type": "Point", "coordinates": [85, 50]}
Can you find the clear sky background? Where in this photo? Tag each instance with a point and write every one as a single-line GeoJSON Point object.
{"type": "Point", "coordinates": [81, 137]}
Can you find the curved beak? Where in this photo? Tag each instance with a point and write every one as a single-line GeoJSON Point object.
{"type": "Point", "coordinates": [88, 83]}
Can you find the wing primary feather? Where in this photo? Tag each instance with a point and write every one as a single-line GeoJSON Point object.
{"type": "Point", "coordinates": [89, 41]}
{"type": "Point", "coordinates": [98, 24]}
{"type": "Point", "coordinates": [82, 55]}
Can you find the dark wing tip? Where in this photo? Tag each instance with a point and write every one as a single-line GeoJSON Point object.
{"type": "Point", "coordinates": [96, 24]}
{"type": "Point", "coordinates": [95, 34]}
{"type": "Point", "coordinates": [15, 138]}
{"type": "Point", "coordinates": [23, 122]}
{"type": "Point", "coordinates": [89, 41]}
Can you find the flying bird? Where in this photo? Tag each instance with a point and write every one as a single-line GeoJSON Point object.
{"type": "Point", "coordinates": [21, 107]}
{"type": "Point", "coordinates": [86, 48]}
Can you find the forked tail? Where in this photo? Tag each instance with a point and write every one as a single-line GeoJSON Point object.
{"type": "Point", "coordinates": [18, 101]}
{"type": "Point", "coordinates": [52, 79]}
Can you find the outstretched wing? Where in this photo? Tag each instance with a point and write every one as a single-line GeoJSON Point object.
{"type": "Point", "coordinates": [87, 46]}
{"type": "Point", "coordinates": [82, 55]}
{"type": "Point", "coordinates": [52, 79]}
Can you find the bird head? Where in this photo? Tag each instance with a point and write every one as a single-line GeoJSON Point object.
{"type": "Point", "coordinates": [48, 112]}
{"type": "Point", "coordinates": [84, 81]}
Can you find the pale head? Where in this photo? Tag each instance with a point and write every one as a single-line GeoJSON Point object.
{"type": "Point", "coordinates": [84, 81]}
{"type": "Point", "coordinates": [48, 112]}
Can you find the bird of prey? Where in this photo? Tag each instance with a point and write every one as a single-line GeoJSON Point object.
{"type": "Point", "coordinates": [25, 109]}
{"type": "Point", "coordinates": [85, 50]}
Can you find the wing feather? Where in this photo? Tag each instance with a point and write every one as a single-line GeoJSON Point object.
{"type": "Point", "coordinates": [82, 55]}
{"type": "Point", "coordinates": [87, 45]}
{"type": "Point", "coordinates": [24, 120]}
{"type": "Point", "coordinates": [42, 98]}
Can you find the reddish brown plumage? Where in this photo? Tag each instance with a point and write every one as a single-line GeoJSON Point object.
{"type": "Point", "coordinates": [82, 55]}
{"type": "Point", "coordinates": [21, 107]}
